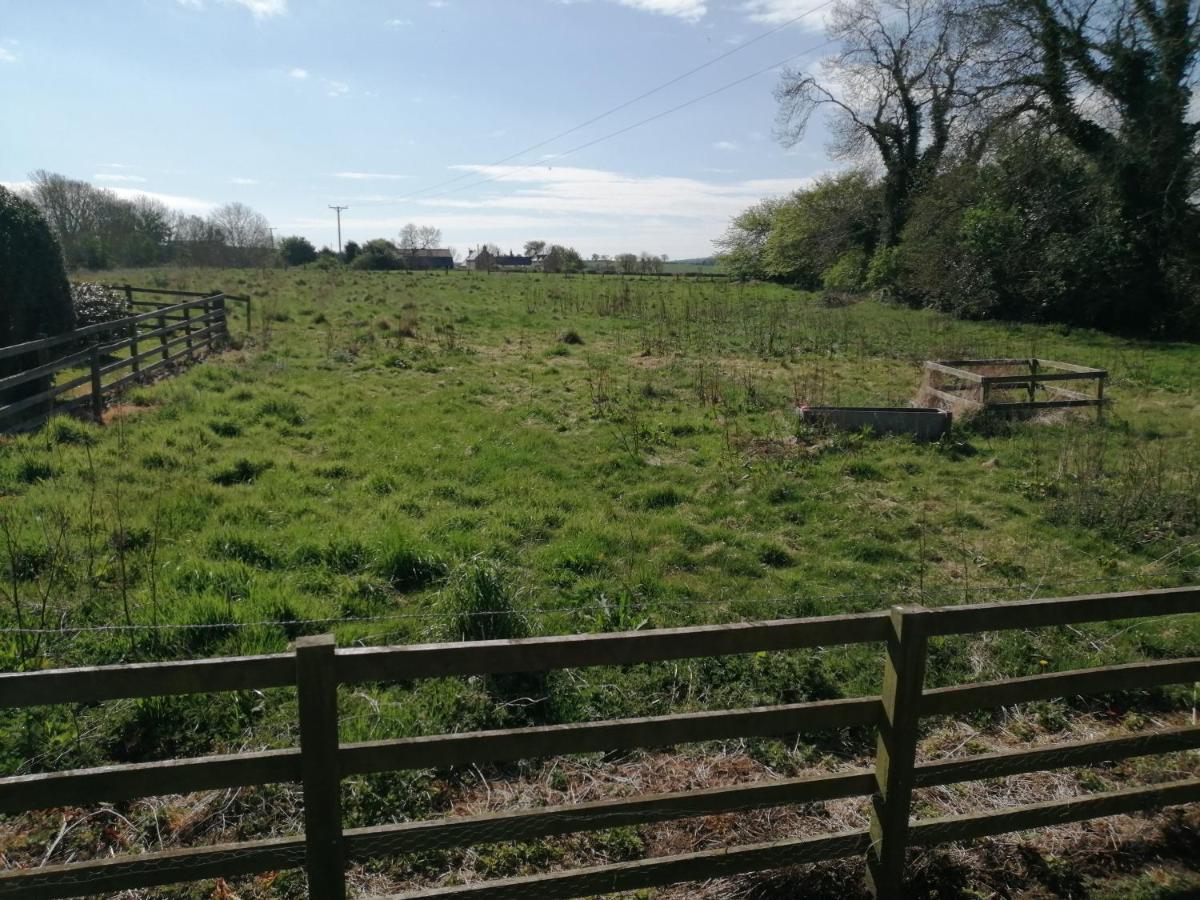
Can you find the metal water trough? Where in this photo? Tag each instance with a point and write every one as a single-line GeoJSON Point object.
{"type": "Point", "coordinates": [924, 423]}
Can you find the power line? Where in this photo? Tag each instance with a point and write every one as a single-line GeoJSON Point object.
{"type": "Point", "coordinates": [627, 128]}
{"type": "Point", "coordinates": [627, 103]}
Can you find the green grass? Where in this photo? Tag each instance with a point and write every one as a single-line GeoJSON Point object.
{"type": "Point", "coordinates": [424, 456]}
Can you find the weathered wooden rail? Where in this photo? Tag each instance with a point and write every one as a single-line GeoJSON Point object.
{"type": "Point", "coordinates": [167, 335]}
{"type": "Point", "coordinates": [316, 668]}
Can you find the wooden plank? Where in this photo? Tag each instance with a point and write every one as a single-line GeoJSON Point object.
{"type": "Point", "coordinates": [522, 825]}
{"type": "Point", "coordinates": [614, 649]}
{"type": "Point", "coordinates": [89, 684]}
{"type": "Point", "coordinates": [1056, 756]}
{"type": "Point", "coordinates": [1042, 404]}
{"type": "Point", "coordinates": [1040, 613]}
{"type": "Point", "coordinates": [648, 873]}
{"type": "Point", "coordinates": [50, 368]}
{"type": "Point", "coordinates": [998, 361]}
{"type": "Point", "coordinates": [126, 782]}
{"type": "Point", "coordinates": [439, 751]}
{"type": "Point", "coordinates": [1074, 395]}
{"type": "Point", "coordinates": [1040, 377]}
{"type": "Point", "coordinates": [1071, 367]}
{"type": "Point", "coordinates": [950, 370]}
{"type": "Point", "coordinates": [896, 750]}
{"type": "Point", "coordinates": [988, 694]}
{"type": "Point", "coordinates": [110, 876]}
{"type": "Point", "coordinates": [90, 330]}
{"type": "Point", "coordinates": [316, 691]}
{"type": "Point", "coordinates": [1054, 812]}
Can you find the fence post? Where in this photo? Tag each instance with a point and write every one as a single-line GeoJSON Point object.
{"type": "Point", "coordinates": [896, 750]}
{"type": "Point", "coordinates": [316, 684]}
{"type": "Point", "coordinates": [97, 388]}
{"type": "Point", "coordinates": [162, 337]}
{"type": "Point", "coordinates": [187, 330]}
{"type": "Point", "coordinates": [43, 357]}
{"type": "Point", "coordinates": [133, 331]}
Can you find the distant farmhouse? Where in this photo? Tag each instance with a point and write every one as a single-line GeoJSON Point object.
{"type": "Point", "coordinates": [426, 259]}
{"type": "Point", "coordinates": [482, 259]}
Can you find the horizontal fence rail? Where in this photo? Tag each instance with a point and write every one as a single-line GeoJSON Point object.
{"type": "Point", "coordinates": [139, 345]}
{"type": "Point", "coordinates": [315, 668]}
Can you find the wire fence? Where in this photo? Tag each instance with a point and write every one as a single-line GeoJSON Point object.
{"type": "Point", "coordinates": [881, 599]}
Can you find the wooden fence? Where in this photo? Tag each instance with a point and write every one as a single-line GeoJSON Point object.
{"type": "Point", "coordinates": [316, 668]}
{"type": "Point", "coordinates": [963, 385]}
{"type": "Point", "coordinates": [142, 344]}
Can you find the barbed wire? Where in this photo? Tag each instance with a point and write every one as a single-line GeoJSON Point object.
{"type": "Point", "coordinates": [883, 596]}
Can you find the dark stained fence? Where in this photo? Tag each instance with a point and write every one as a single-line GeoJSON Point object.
{"type": "Point", "coordinates": [114, 355]}
{"type": "Point", "coordinates": [316, 668]}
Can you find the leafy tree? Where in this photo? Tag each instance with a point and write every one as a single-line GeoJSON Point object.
{"type": "Point", "coordinates": [350, 251]}
{"type": "Point", "coordinates": [1117, 81]}
{"type": "Point", "coordinates": [296, 251]}
{"type": "Point", "coordinates": [534, 248]}
{"type": "Point", "coordinates": [562, 259]}
{"type": "Point", "coordinates": [378, 255]}
{"type": "Point", "coordinates": [33, 285]}
{"type": "Point", "coordinates": [744, 243]}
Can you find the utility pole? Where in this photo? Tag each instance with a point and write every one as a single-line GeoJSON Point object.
{"type": "Point", "coordinates": [339, 215]}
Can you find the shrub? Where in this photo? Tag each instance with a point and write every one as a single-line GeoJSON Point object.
{"type": "Point", "coordinates": [33, 285]}
{"type": "Point", "coordinates": [94, 303]}
{"type": "Point", "coordinates": [296, 251]}
{"type": "Point", "coordinates": [848, 273]}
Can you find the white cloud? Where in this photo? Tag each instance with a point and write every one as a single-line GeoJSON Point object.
{"type": "Point", "coordinates": [260, 9]}
{"type": "Point", "coordinates": [600, 193]}
{"type": "Point", "coordinates": [336, 88]}
{"type": "Point", "coordinates": [186, 204]}
{"type": "Point", "coordinates": [594, 210]}
{"type": "Point", "coordinates": [112, 176]}
{"type": "Point", "coordinates": [777, 12]}
{"type": "Point", "coordinates": [398, 23]}
{"type": "Point", "coordinates": [17, 187]}
{"type": "Point", "coordinates": [1194, 106]}
{"type": "Point", "coordinates": [728, 146]}
{"type": "Point", "coordinates": [298, 73]}
{"type": "Point", "coordinates": [243, 181]}
{"type": "Point", "coordinates": [369, 176]}
{"type": "Point", "coordinates": [7, 55]}
{"type": "Point", "coordinates": [688, 10]}
{"type": "Point", "coordinates": [114, 165]}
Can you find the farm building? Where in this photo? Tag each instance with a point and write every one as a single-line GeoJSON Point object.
{"type": "Point", "coordinates": [483, 260]}
{"type": "Point", "coordinates": [427, 259]}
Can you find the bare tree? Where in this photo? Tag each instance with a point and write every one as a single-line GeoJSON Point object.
{"type": "Point", "coordinates": [70, 206]}
{"type": "Point", "coordinates": [241, 226]}
{"type": "Point", "coordinates": [535, 248]}
{"type": "Point", "coordinates": [419, 237]}
{"type": "Point", "coordinates": [912, 80]}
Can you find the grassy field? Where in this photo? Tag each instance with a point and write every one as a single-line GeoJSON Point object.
{"type": "Point", "coordinates": [438, 456]}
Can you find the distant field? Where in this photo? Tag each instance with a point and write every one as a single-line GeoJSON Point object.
{"type": "Point", "coordinates": [441, 455]}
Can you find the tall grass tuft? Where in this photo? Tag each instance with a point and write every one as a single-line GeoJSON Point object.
{"type": "Point", "coordinates": [408, 564]}
{"type": "Point", "coordinates": [481, 604]}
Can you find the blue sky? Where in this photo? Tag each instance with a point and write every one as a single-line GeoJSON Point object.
{"type": "Point", "coordinates": [292, 105]}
